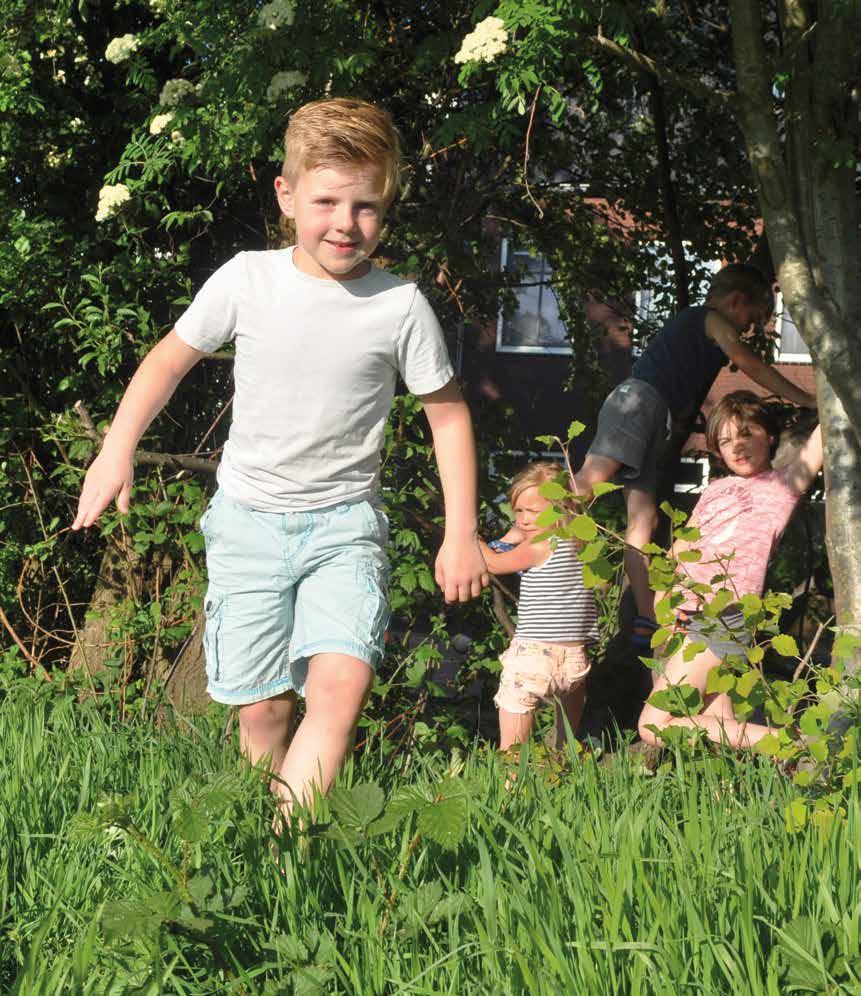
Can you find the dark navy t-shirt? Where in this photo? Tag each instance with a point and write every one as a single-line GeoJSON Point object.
{"type": "Point", "coordinates": [682, 362]}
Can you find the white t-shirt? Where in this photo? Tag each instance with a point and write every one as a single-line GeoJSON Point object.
{"type": "Point", "coordinates": [315, 370]}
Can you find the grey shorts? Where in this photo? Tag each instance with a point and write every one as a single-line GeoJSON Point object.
{"type": "Point", "coordinates": [632, 427]}
{"type": "Point", "coordinates": [723, 636]}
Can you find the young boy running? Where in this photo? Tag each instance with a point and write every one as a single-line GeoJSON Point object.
{"type": "Point", "coordinates": [672, 378]}
{"type": "Point", "coordinates": [295, 539]}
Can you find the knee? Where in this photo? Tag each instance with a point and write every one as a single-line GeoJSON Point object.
{"type": "Point", "coordinates": [641, 526]}
{"type": "Point", "coordinates": [266, 714]}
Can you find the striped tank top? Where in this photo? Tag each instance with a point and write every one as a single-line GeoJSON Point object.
{"type": "Point", "coordinates": [554, 606]}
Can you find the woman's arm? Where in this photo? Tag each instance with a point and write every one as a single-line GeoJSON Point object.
{"type": "Point", "coordinates": [521, 558]}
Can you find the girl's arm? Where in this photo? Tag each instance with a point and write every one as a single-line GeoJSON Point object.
{"type": "Point", "coordinates": [521, 558]}
{"type": "Point", "coordinates": [804, 468]}
{"type": "Point", "coordinates": [514, 535]}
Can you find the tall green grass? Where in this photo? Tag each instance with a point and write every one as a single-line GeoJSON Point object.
{"type": "Point", "coordinates": [607, 880]}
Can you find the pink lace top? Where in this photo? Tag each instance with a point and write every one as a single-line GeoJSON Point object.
{"type": "Point", "coordinates": [745, 516]}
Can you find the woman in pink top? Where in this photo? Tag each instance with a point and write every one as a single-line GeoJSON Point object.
{"type": "Point", "coordinates": [741, 518]}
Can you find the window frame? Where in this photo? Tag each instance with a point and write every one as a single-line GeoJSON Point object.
{"type": "Point", "coordinates": [502, 347]}
{"type": "Point", "coordinates": [779, 355]}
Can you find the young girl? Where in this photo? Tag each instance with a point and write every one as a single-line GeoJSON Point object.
{"type": "Point", "coordinates": [556, 618]}
{"type": "Point", "coordinates": [741, 516]}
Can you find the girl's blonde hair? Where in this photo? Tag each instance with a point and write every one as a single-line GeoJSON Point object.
{"type": "Point", "coordinates": [343, 133]}
{"type": "Point", "coordinates": [533, 475]}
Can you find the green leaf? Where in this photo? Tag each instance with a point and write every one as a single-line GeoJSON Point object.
{"type": "Point", "coordinates": [746, 683]}
{"type": "Point", "coordinates": [584, 527]}
{"type": "Point", "coordinates": [690, 556]}
{"type": "Point", "coordinates": [444, 821]}
{"type": "Point", "coordinates": [678, 700]}
{"type": "Point", "coordinates": [653, 549]}
{"type": "Point", "coordinates": [604, 488]}
{"type": "Point", "coordinates": [659, 637]}
{"type": "Point", "coordinates": [768, 745]}
{"type": "Point", "coordinates": [592, 551]}
{"type": "Point", "coordinates": [845, 645]}
{"type": "Point", "coordinates": [692, 649]}
{"type": "Point", "coordinates": [138, 917]}
{"type": "Point", "coordinates": [358, 806]}
{"type": "Point", "coordinates": [547, 440]}
{"type": "Point", "coordinates": [547, 516]}
{"type": "Point", "coordinates": [720, 601]}
{"type": "Point", "coordinates": [552, 491]}
{"type": "Point", "coordinates": [719, 682]}
{"type": "Point", "coordinates": [785, 645]}
{"type": "Point", "coordinates": [795, 815]}
{"type": "Point", "coordinates": [754, 654]}
{"type": "Point", "coordinates": [575, 429]}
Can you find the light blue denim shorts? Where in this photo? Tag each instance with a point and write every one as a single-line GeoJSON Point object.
{"type": "Point", "coordinates": [284, 586]}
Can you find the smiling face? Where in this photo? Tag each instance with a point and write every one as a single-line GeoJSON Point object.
{"type": "Point", "coordinates": [745, 447]}
{"type": "Point", "coordinates": [338, 214]}
{"type": "Point", "coordinates": [527, 506]}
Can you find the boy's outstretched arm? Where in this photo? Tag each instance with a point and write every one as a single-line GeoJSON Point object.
{"type": "Point", "coordinates": [460, 569]}
{"type": "Point", "coordinates": [110, 474]}
{"type": "Point", "coordinates": [749, 363]}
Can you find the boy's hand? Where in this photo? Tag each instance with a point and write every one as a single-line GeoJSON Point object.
{"type": "Point", "coordinates": [109, 477]}
{"type": "Point", "coordinates": [461, 571]}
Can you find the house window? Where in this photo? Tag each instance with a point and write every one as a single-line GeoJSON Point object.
{"type": "Point", "coordinates": [790, 345]}
{"type": "Point", "coordinates": [536, 326]}
{"type": "Point", "coordinates": [693, 476]}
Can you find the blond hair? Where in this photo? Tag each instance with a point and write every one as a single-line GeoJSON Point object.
{"type": "Point", "coordinates": [532, 476]}
{"type": "Point", "coordinates": [343, 132]}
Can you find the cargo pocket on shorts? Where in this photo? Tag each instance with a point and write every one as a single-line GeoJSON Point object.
{"type": "Point", "coordinates": [213, 607]}
{"type": "Point", "coordinates": [374, 615]}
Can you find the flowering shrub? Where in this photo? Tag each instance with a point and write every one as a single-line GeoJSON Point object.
{"type": "Point", "coordinates": [175, 92]}
{"type": "Point", "coordinates": [282, 83]}
{"type": "Point", "coordinates": [278, 14]}
{"type": "Point", "coordinates": [119, 49]}
{"type": "Point", "coordinates": [160, 122]}
{"type": "Point", "coordinates": [489, 40]}
{"type": "Point", "coordinates": [111, 199]}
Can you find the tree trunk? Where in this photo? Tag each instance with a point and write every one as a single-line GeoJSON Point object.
{"type": "Point", "coordinates": [812, 219]}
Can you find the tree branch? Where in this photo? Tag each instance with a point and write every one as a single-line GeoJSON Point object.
{"type": "Point", "coordinates": [643, 64]}
{"type": "Point", "coordinates": [147, 458]}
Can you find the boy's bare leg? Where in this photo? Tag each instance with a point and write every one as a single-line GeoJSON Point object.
{"type": "Point", "coordinates": [335, 693]}
{"type": "Point", "coordinates": [569, 709]}
{"type": "Point", "coordinates": [717, 717]}
{"type": "Point", "coordinates": [265, 729]}
{"type": "Point", "coordinates": [514, 727]}
{"type": "Point", "coordinates": [642, 519]}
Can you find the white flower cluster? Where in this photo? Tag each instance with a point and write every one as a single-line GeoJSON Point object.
{"type": "Point", "coordinates": [119, 49]}
{"type": "Point", "coordinates": [275, 15]}
{"type": "Point", "coordinates": [174, 92]}
{"type": "Point", "coordinates": [160, 122]}
{"type": "Point", "coordinates": [489, 40]}
{"type": "Point", "coordinates": [111, 199]}
{"type": "Point", "coordinates": [282, 83]}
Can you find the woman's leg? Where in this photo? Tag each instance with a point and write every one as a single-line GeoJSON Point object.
{"type": "Point", "coordinates": [335, 693]}
{"type": "Point", "coordinates": [716, 719]}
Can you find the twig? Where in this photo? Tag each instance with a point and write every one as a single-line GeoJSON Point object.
{"type": "Point", "coordinates": [29, 657]}
{"type": "Point", "coordinates": [538, 207]}
{"type": "Point", "coordinates": [805, 660]}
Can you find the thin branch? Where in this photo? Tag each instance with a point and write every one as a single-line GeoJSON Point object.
{"type": "Point", "coordinates": [538, 207]}
{"type": "Point", "coordinates": [147, 458]}
{"type": "Point", "coordinates": [643, 64]}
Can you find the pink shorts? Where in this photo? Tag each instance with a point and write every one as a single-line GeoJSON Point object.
{"type": "Point", "coordinates": [535, 672]}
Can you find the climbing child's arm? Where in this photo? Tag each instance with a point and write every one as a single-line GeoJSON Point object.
{"type": "Point", "coordinates": [521, 558]}
{"type": "Point", "coordinates": [719, 329]}
{"type": "Point", "coordinates": [110, 474]}
{"type": "Point", "coordinates": [807, 464]}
